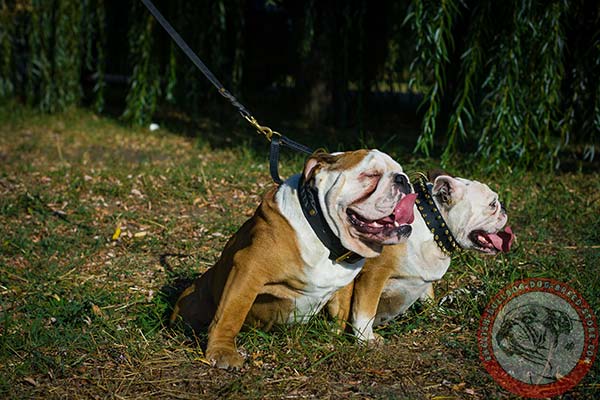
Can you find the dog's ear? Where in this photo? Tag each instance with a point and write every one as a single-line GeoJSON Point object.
{"type": "Point", "coordinates": [315, 162]}
{"type": "Point", "coordinates": [447, 189]}
{"type": "Point", "coordinates": [310, 168]}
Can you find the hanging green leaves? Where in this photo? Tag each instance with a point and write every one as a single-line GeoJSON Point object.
{"type": "Point", "coordinates": [505, 83]}
{"type": "Point", "coordinates": [433, 22]}
{"type": "Point", "coordinates": [67, 53]}
{"type": "Point", "coordinates": [508, 98]}
{"type": "Point", "coordinates": [144, 85]}
{"type": "Point", "coordinates": [44, 46]}
{"type": "Point", "coordinates": [7, 26]}
{"type": "Point", "coordinates": [100, 66]}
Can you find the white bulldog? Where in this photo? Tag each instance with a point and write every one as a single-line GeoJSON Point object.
{"type": "Point", "coordinates": [307, 239]}
{"type": "Point", "coordinates": [450, 213]}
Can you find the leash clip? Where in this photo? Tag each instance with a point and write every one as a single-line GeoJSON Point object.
{"type": "Point", "coordinates": [265, 130]}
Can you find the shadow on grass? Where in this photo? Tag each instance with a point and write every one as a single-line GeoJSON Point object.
{"type": "Point", "coordinates": [169, 294]}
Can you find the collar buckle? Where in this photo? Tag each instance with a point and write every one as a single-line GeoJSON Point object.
{"type": "Point", "coordinates": [346, 256]}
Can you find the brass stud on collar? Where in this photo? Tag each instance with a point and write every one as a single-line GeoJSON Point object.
{"type": "Point", "coordinates": [312, 212]}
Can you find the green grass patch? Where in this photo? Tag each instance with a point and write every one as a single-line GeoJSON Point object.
{"type": "Point", "coordinates": [102, 225]}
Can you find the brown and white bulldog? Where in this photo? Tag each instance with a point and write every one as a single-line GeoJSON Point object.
{"type": "Point", "coordinates": [306, 240]}
{"type": "Point", "coordinates": [450, 213]}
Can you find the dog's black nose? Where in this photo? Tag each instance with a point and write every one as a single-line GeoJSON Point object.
{"type": "Point", "coordinates": [401, 181]}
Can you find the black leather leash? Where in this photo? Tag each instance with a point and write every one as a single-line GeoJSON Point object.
{"type": "Point", "coordinates": [307, 194]}
{"type": "Point", "coordinates": [277, 140]}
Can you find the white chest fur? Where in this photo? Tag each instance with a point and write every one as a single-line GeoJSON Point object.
{"type": "Point", "coordinates": [321, 277]}
{"type": "Point", "coordinates": [425, 260]}
{"type": "Point", "coordinates": [423, 264]}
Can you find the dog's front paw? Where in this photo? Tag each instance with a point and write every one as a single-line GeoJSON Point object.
{"type": "Point", "coordinates": [338, 327]}
{"type": "Point", "coordinates": [428, 295]}
{"type": "Point", "coordinates": [375, 340]}
{"type": "Point", "coordinates": [372, 340]}
{"type": "Point", "coordinates": [225, 357]}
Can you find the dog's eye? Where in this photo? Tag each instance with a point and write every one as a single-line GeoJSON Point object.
{"type": "Point", "coordinates": [372, 175]}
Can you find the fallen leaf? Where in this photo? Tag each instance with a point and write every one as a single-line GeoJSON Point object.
{"type": "Point", "coordinates": [117, 233]}
{"type": "Point", "coordinates": [31, 381]}
{"type": "Point", "coordinates": [97, 311]}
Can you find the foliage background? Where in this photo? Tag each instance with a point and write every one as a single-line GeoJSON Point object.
{"type": "Point", "coordinates": [513, 83]}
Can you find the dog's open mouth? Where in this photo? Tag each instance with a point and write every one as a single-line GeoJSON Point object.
{"type": "Point", "coordinates": [492, 242]}
{"type": "Point", "coordinates": [396, 223]}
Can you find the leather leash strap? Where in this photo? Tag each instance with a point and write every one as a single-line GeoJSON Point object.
{"type": "Point", "coordinates": [264, 130]}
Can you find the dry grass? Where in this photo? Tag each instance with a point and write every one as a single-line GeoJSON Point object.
{"type": "Point", "coordinates": [101, 225]}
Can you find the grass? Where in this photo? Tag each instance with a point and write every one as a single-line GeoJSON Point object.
{"type": "Point", "coordinates": [102, 225]}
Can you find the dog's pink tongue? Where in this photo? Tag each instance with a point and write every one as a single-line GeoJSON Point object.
{"type": "Point", "coordinates": [502, 240]}
{"type": "Point", "coordinates": [404, 212]}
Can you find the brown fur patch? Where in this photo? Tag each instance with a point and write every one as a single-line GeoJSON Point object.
{"type": "Point", "coordinates": [388, 304]}
{"type": "Point", "coordinates": [349, 160]}
{"type": "Point", "coordinates": [249, 284]}
{"type": "Point", "coordinates": [369, 284]}
{"type": "Point", "coordinates": [335, 162]}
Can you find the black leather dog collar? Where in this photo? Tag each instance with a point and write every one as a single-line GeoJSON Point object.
{"type": "Point", "coordinates": [309, 202]}
{"type": "Point", "coordinates": [433, 218]}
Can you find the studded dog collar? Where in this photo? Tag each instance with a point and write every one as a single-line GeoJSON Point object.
{"type": "Point", "coordinates": [433, 218]}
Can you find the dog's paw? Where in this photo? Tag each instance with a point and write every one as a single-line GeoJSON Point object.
{"type": "Point", "coordinates": [338, 328]}
{"type": "Point", "coordinates": [375, 340]}
{"type": "Point", "coordinates": [371, 339]}
{"type": "Point", "coordinates": [225, 358]}
{"type": "Point", "coordinates": [428, 296]}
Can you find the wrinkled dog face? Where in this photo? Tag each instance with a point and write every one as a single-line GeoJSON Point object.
{"type": "Point", "coordinates": [366, 198]}
{"type": "Point", "coordinates": [473, 213]}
